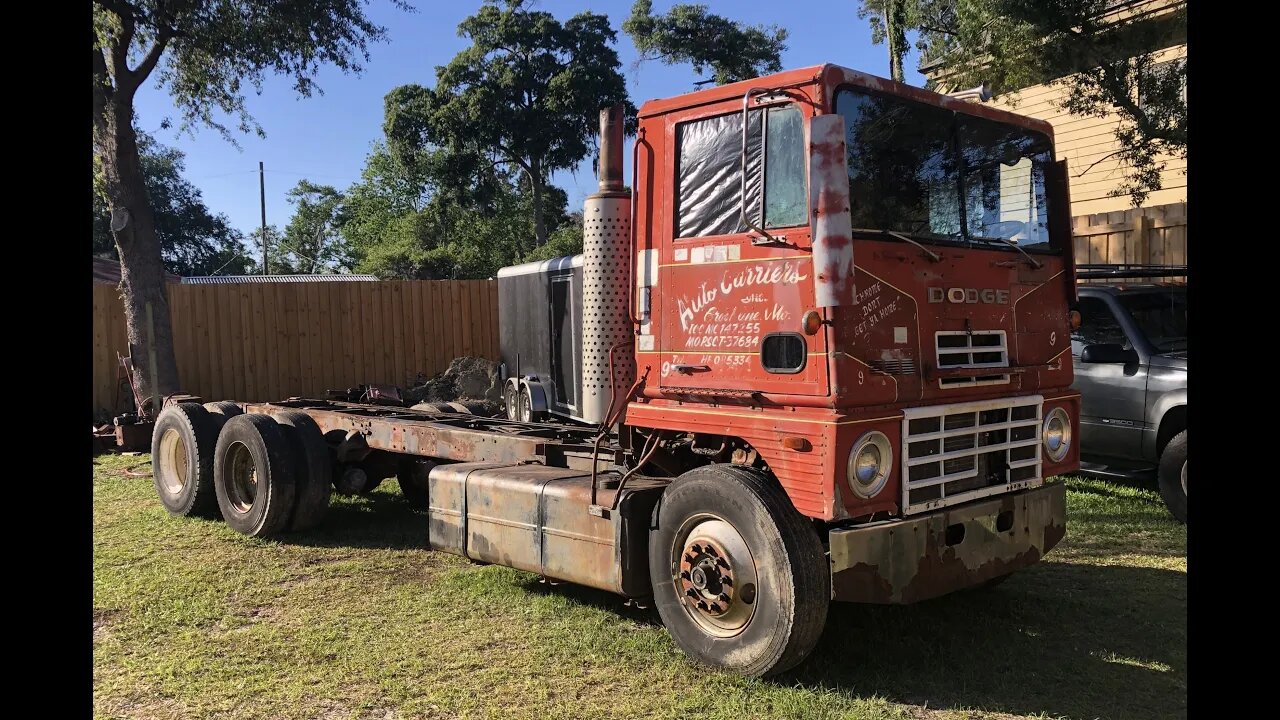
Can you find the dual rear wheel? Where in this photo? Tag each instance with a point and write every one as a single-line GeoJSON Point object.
{"type": "Point", "coordinates": [264, 475]}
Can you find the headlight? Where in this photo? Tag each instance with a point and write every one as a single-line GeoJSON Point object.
{"type": "Point", "coordinates": [869, 464]}
{"type": "Point", "coordinates": [1057, 434]}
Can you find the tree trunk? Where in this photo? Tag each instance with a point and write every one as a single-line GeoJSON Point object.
{"type": "Point", "coordinates": [537, 185]}
{"type": "Point", "coordinates": [146, 308]}
{"type": "Point", "coordinates": [891, 8]}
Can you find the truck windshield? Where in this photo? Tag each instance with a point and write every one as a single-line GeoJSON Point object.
{"type": "Point", "coordinates": [940, 175]}
{"type": "Point", "coordinates": [1161, 316]}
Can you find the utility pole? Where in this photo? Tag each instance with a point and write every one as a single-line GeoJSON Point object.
{"type": "Point", "coordinates": [262, 199]}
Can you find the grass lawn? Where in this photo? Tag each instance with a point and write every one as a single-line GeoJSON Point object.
{"type": "Point", "coordinates": [357, 620]}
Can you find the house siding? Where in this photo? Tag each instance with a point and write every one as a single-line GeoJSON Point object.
{"type": "Point", "coordinates": [1083, 141]}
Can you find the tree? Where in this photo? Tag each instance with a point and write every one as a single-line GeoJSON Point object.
{"type": "Point", "coordinates": [282, 262]}
{"type": "Point", "coordinates": [312, 241]}
{"type": "Point", "coordinates": [889, 20]}
{"type": "Point", "coordinates": [203, 54]}
{"type": "Point", "coordinates": [193, 240]}
{"type": "Point", "coordinates": [423, 222]}
{"type": "Point", "coordinates": [565, 241]}
{"type": "Point", "coordinates": [525, 95]}
{"type": "Point", "coordinates": [1104, 61]}
{"type": "Point", "coordinates": [688, 33]}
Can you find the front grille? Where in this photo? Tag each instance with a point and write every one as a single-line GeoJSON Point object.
{"type": "Point", "coordinates": [977, 349]}
{"type": "Point", "coordinates": [963, 451]}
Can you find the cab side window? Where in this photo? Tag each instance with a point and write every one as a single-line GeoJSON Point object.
{"type": "Point", "coordinates": [709, 172]}
{"type": "Point", "coordinates": [1098, 325]}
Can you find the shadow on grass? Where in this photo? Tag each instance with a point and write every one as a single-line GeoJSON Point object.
{"type": "Point", "coordinates": [1073, 640]}
{"type": "Point", "coordinates": [1069, 639]}
{"type": "Point", "coordinates": [380, 520]}
{"type": "Point", "coordinates": [591, 597]}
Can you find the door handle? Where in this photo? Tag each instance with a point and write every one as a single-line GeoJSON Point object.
{"type": "Point", "coordinates": [689, 369]}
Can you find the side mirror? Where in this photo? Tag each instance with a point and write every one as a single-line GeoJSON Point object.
{"type": "Point", "coordinates": [829, 211]}
{"type": "Point", "coordinates": [1111, 353]}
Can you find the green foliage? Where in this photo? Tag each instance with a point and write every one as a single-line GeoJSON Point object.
{"type": "Point", "coordinates": [523, 97]}
{"type": "Point", "coordinates": [1105, 63]}
{"type": "Point", "coordinates": [207, 53]}
{"type": "Point", "coordinates": [193, 240]}
{"type": "Point", "coordinates": [282, 262]}
{"type": "Point", "coordinates": [889, 20]}
{"type": "Point", "coordinates": [566, 240]}
{"type": "Point", "coordinates": [407, 221]}
{"type": "Point", "coordinates": [688, 33]}
{"type": "Point", "coordinates": [312, 241]}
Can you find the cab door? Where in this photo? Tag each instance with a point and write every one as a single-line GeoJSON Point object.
{"type": "Point", "coordinates": [731, 307]}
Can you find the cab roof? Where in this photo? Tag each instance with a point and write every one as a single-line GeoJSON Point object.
{"type": "Point", "coordinates": [832, 76]}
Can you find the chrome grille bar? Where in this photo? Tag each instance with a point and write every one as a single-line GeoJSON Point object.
{"type": "Point", "coordinates": [988, 434]}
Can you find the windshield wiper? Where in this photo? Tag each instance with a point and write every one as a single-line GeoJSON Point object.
{"type": "Point", "coordinates": [893, 233]}
{"type": "Point", "coordinates": [1034, 262]}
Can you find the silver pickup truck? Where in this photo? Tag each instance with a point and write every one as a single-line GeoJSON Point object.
{"type": "Point", "coordinates": [1130, 354]}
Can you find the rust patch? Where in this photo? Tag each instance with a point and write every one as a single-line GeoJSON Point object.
{"type": "Point", "coordinates": [862, 581]}
{"type": "Point", "coordinates": [930, 555]}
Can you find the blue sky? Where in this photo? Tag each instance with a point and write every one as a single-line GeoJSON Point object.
{"type": "Point", "coordinates": [326, 138]}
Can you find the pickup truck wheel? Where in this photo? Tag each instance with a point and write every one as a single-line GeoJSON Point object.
{"type": "Point", "coordinates": [739, 577]}
{"type": "Point", "coordinates": [182, 446]}
{"type": "Point", "coordinates": [1173, 476]}
{"type": "Point", "coordinates": [254, 475]}
{"type": "Point", "coordinates": [314, 483]}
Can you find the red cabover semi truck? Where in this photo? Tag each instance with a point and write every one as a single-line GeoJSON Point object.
{"type": "Point", "coordinates": [820, 354]}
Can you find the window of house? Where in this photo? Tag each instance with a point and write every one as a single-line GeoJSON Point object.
{"type": "Point", "coordinates": [709, 172]}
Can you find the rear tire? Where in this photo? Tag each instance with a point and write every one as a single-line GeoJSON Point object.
{"type": "Point", "coordinates": [314, 482]}
{"type": "Point", "coordinates": [222, 411]}
{"type": "Point", "coordinates": [413, 482]}
{"type": "Point", "coordinates": [1173, 476]}
{"type": "Point", "coordinates": [740, 578]}
{"type": "Point", "coordinates": [182, 450]}
{"type": "Point", "coordinates": [254, 475]}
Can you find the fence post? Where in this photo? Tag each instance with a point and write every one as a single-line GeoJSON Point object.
{"type": "Point", "coordinates": [1142, 238]}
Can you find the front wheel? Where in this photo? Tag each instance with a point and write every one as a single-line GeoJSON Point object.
{"type": "Point", "coordinates": [739, 577]}
{"type": "Point", "coordinates": [1173, 476]}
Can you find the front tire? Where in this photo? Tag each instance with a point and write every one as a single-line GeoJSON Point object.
{"type": "Point", "coordinates": [739, 577]}
{"type": "Point", "coordinates": [1173, 476]}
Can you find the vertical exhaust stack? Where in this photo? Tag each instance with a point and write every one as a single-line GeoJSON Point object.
{"type": "Point", "coordinates": [606, 249]}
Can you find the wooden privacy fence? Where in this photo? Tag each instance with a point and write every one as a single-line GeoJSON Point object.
{"type": "Point", "coordinates": [1144, 236]}
{"type": "Point", "coordinates": [269, 341]}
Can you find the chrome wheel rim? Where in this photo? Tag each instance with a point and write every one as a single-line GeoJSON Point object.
{"type": "Point", "coordinates": [242, 489]}
{"type": "Point", "coordinates": [173, 461]}
{"type": "Point", "coordinates": [1184, 477]}
{"type": "Point", "coordinates": [714, 574]}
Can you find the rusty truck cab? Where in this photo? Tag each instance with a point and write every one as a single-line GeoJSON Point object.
{"type": "Point", "coordinates": [887, 351]}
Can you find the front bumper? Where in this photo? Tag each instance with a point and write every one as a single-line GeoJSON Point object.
{"type": "Point", "coordinates": [922, 557]}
